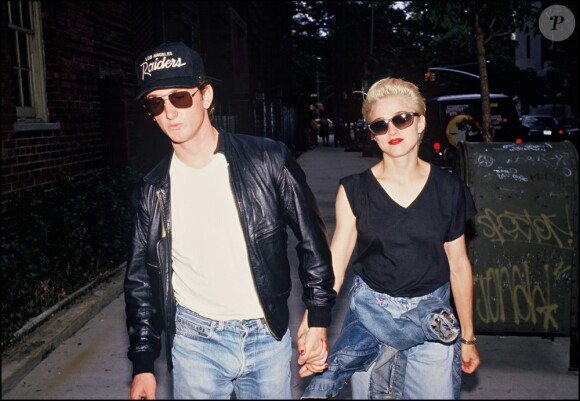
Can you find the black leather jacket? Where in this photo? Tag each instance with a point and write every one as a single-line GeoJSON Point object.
{"type": "Point", "coordinates": [271, 193]}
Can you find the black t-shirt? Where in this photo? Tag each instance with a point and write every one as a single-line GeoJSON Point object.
{"type": "Point", "coordinates": [399, 251]}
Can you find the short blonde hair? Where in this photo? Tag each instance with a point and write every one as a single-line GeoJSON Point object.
{"type": "Point", "coordinates": [393, 87]}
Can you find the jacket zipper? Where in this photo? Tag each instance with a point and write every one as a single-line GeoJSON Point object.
{"type": "Point", "coordinates": [163, 232]}
{"type": "Point", "coordinates": [164, 301]}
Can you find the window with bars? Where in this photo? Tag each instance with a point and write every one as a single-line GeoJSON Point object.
{"type": "Point", "coordinates": [24, 23]}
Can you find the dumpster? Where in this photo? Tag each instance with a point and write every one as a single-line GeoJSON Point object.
{"type": "Point", "coordinates": [524, 247]}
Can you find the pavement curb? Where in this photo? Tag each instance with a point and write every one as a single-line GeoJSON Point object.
{"type": "Point", "coordinates": [19, 360]}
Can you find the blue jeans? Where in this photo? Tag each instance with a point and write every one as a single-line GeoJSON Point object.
{"type": "Point", "coordinates": [213, 358]}
{"type": "Point", "coordinates": [372, 336]}
{"type": "Point", "coordinates": [367, 384]}
{"type": "Point", "coordinates": [429, 370]}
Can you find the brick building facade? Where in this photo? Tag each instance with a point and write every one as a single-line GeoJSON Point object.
{"type": "Point", "coordinates": [68, 83]}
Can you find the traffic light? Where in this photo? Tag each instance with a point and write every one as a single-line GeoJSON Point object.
{"type": "Point", "coordinates": [429, 76]}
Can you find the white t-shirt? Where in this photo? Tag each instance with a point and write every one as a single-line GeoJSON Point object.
{"type": "Point", "coordinates": [211, 270]}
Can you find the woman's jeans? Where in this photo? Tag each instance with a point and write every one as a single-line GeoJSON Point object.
{"type": "Point", "coordinates": [431, 370]}
{"type": "Point", "coordinates": [213, 358]}
{"type": "Point", "coordinates": [414, 387]}
{"type": "Point", "coordinates": [378, 326]}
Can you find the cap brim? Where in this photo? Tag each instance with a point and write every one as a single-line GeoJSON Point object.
{"type": "Point", "coordinates": [179, 82]}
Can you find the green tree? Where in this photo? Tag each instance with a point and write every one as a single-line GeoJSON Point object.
{"type": "Point", "coordinates": [358, 42]}
{"type": "Point", "coordinates": [474, 27]}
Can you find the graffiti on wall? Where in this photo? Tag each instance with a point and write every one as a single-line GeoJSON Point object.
{"type": "Point", "coordinates": [525, 227]}
{"type": "Point", "coordinates": [511, 294]}
{"type": "Point", "coordinates": [520, 287]}
{"type": "Point", "coordinates": [525, 253]}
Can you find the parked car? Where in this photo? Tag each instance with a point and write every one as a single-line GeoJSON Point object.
{"type": "Point", "coordinates": [542, 128]}
{"type": "Point", "coordinates": [457, 118]}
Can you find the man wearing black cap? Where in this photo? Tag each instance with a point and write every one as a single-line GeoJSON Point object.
{"type": "Point", "coordinates": [208, 263]}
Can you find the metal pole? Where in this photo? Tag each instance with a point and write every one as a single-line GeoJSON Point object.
{"type": "Point", "coordinates": [317, 93]}
{"type": "Point", "coordinates": [372, 29]}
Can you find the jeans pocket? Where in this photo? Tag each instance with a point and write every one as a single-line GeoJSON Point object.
{"type": "Point", "coordinates": [192, 329]}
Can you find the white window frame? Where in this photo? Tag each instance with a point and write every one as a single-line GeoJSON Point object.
{"type": "Point", "coordinates": [34, 116]}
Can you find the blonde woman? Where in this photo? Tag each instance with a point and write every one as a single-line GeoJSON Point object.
{"type": "Point", "coordinates": [406, 219]}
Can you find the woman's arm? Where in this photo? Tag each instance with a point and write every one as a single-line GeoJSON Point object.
{"type": "Point", "coordinates": [462, 288]}
{"type": "Point", "coordinates": [343, 239]}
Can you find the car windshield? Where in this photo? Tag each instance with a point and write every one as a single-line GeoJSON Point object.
{"type": "Point", "coordinates": [541, 122]}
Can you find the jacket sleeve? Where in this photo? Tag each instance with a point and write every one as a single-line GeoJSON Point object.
{"type": "Point", "coordinates": [144, 323]}
{"type": "Point", "coordinates": [315, 261]}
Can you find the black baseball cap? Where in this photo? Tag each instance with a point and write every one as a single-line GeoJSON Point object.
{"type": "Point", "coordinates": [169, 65]}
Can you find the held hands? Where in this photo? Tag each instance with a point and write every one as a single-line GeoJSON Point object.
{"type": "Point", "coordinates": [312, 348]}
{"type": "Point", "coordinates": [143, 387]}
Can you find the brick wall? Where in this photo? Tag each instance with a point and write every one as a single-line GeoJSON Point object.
{"type": "Point", "coordinates": [89, 52]}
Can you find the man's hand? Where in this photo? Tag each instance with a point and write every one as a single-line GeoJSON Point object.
{"type": "Point", "coordinates": [143, 387]}
{"type": "Point", "coordinates": [312, 348]}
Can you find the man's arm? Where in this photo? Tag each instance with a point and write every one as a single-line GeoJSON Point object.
{"type": "Point", "coordinates": [315, 267]}
{"type": "Point", "coordinates": [343, 242]}
{"type": "Point", "coordinates": [142, 319]}
{"type": "Point", "coordinates": [315, 259]}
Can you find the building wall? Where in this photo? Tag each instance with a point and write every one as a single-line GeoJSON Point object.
{"type": "Point", "coordinates": [76, 52]}
{"type": "Point", "coordinates": [89, 51]}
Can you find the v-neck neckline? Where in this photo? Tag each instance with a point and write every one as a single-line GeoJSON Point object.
{"type": "Point", "coordinates": [414, 201]}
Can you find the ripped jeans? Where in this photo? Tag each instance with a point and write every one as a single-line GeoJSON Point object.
{"type": "Point", "coordinates": [376, 327]}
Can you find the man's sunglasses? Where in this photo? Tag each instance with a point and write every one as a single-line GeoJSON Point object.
{"type": "Point", "coordinates": [181, 100]}
{"type": "Point", "coordinates": [401, 121]}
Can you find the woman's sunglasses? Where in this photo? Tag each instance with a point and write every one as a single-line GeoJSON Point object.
{"type": "Point", "coordinates": [181, 100]}
{"type": "Point", "coordinates": [400, 121]}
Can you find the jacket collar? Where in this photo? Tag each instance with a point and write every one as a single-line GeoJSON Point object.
{"type": "Point", "coordinates": [159, 175]}
{"type": "Point", "coordinates": [222, 140]}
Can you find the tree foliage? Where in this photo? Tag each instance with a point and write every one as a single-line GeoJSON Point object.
{"type": "Point", "coordinates": [476, 29]}
{"type": "Point", "coordinates": [359, 42]}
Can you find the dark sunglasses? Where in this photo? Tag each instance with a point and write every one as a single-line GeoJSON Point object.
{"type": "Point", "coordinates": [181, 100]}
{"type": "Point", "coordinates": [401, 121]}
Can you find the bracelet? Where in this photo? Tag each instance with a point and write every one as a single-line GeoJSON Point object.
{"type": "Point", "coordinates": [469, 342]}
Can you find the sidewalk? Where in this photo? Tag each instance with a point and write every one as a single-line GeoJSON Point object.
{"type": "Point", "coordinates": [81, 352]}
